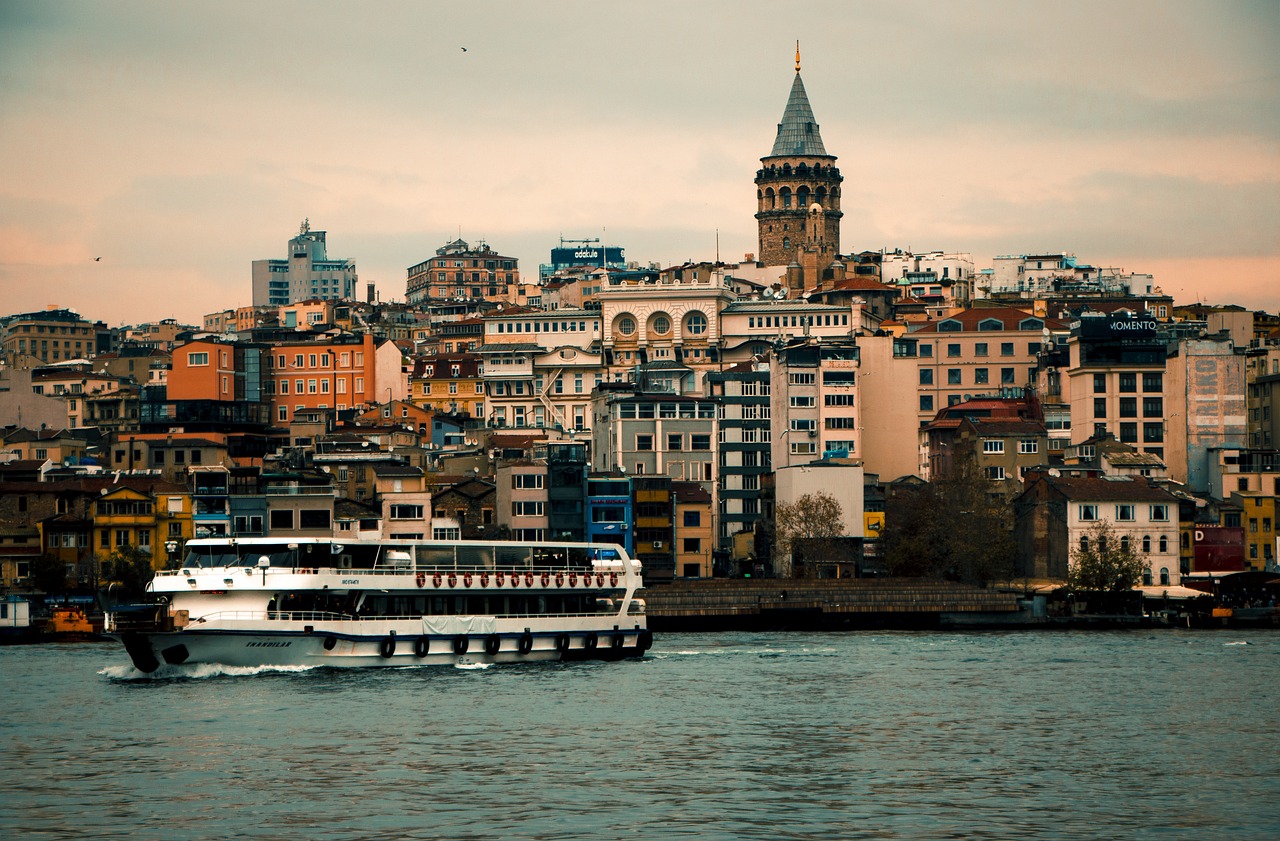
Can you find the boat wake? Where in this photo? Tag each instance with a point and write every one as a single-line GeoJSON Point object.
{"type": "Point", "coordinates": [196, 672]}
{"type": "Point", "coordinates": [470, 665]}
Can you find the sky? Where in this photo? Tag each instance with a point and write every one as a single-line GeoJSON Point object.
{"type": "Point", "coordinates": [150, 151]}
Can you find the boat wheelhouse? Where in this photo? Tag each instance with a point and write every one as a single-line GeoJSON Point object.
{"type": "Point", "coordinates": [322, 602]}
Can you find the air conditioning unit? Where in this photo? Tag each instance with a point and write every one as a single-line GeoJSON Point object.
{"type": "Point", "coordinates": [657, 544]}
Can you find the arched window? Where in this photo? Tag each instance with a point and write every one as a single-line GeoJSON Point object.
{"type": "Point", "coordinates": [1164, 544]}
{"type": "Point", "coordinates": [695, 324]}
{"type": "Point", "coordinates": [1084, 544]}
{"type": "Point", "coordinates": [785, 194]}
{"type": "Point", "coordinates": [1146, 578]}
{"type": "Point", "coordinates": [660, 324]}
{"type": "Point", "coordinates": [1146, 543]}
{"type": "Point", "coordinates": [1124, 543]}
{"type": "Point", "coordinates": [626, 325]}
{"type": "Point", "coordinates": [1164, 575]}
{"type": "Point", "coordinates": [786, 242]}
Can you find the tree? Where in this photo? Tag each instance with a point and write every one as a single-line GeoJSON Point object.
{"type": "Point", "coordinates": [1105, 563]}
{"type": "Point", "coordinates": [131, 568]}
{"type": "Point", "coordinates": [955, 528]}
{"type": "Point", "coordinates": [812, 516]}
{"type": "Point", "coordinates": [49, 575]}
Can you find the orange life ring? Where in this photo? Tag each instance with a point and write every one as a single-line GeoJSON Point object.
{"type": "Point", "coordinates": [435, 580]}
{"type": "Point", "coordinates": [466, 579]}
{"type": "Point", "coordinates": [422, 579]}
{"type": "Point", "coordinates": [528, 579]}
{"type": "Point", "coordinates": [498, 579]}
{"type": "Point", "coordinates": [613, 579]}
{"type": "Point", "coordinates": [453, 580]}
{"type": "Point", "coordinates": [515, 579]}
{"type": "Point", "coordinates": [559, 579]}
{"type": "Point", "coordinates": [573, 579]}
{"type": "Point", "coordinates": [484, 579]}
{"type": "Point", "coordinates": [599, 579]}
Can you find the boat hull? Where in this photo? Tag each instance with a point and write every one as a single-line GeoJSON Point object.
{"type": "Point", "coordinates": [341, 649]}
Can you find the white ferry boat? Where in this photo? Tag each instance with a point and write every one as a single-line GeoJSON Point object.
{"type": "Point", "coordinates": [322, 602]}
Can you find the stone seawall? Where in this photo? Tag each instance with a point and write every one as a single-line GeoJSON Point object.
{"type": "Point", "coordinates": [801, 604]}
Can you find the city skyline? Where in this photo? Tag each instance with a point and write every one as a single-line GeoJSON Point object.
{"type": "Point", "coordinates": [158, 150]}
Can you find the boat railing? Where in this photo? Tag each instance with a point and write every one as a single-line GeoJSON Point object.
{"type": "Point", "coordinates": [442, 570]}
{"type": "Point", "coordinates": [328, 617]}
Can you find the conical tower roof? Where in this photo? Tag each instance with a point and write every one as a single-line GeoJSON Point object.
{"type": "Point", "coordinates": [798, 132]}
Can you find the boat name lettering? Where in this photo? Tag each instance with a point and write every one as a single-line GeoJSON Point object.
{"type": "Point", "coordinates": [267, 644]}
{"type": "Point", "coordinates": [351, 581]}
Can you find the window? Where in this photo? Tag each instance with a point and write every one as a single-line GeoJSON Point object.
{"type": "Point", "coordinates": [527, 481]}
{"type": "Point", "coordinates": [1128, 433]}
{"type": "Point", "coordinates": [841, 423]}
{"type": "Point", "coordinates": [1124, 513]}
{"type": "Point", "coordinates": [995, 473]}
{"type": "Point", "coordinates": [953, 349]}
{"type": "Point", "coordinates": [1099, 383]}
{"type": "Point", "coordinates": [1006, 349]}
{"type": "Point", "coordinates": [644, 442]}
{"type": "Point", "coordinates": [1088, 513]}
{"type": "Point", "coordinates": [700, 442]}
{"type": "Point", "coordinates": [695, 324]}
{"type": "Point", "coordinates": [661, 325]}
{"type": "Point", "coordinates": [803, 402]}
{"type": "Point", "coordinates": [1128, 407]}
{"type": "Point", "coordinates": [800, 448]}
{"type": "Point", "coordinates": [980, 376]}
{"type": "Point", "coordinates": [693, 544]}
{"type": "Point", "coordinates": [402, 511]}
{"type": "Point", "coordinates": [1160, 513]}
{"type": "Point", "coordinates": [980, 349]}
{"type": "Point", "coordinates": [1027, 446]}
{"type": "Point", "coordinates": [675, 441]}
{"type": "Point", "coordinates": [992, 446]}
{"type": "Point", "coordinates": [1128, 382]}
{"type": "Point", "coordinates": [282, 518]}
{"type": "Point", "coordinates": [1153, 433]}
{"type": "Point", "coordinates": [626, 325]}
{"type": "Point", "coordinates": [926, 376]}
{"type": "Point", "coordinates": [953, 376]}
{"type": "Point", "coordinates": [801, 379]}
{"type": "Point", "coordinates": [692, 519]}
{"type": "Point", "coordinates": [528, 508]}
{"type": "Point", "coordinates": [201, 358]}
{"type": "Point", "coordinates": [926, 402]}
{"type": "Point", "coordinates": [1099, 407]}
{"type": "Point", "coordinates": [1153, 382]}
{"type": "Point", "coordinates": [1008, 376]}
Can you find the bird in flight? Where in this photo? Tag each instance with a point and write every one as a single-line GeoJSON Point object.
{"type": "Point", "coordinates": [464, 49]}
{"type": "Point", "coordinates": [96, 259]}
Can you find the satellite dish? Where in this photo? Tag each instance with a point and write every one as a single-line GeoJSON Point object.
{"type": "Point", "coordinates": [780, 294]}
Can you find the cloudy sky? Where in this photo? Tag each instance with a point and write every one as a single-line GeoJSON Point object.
{"type": "Point", "coordinates": [180, 141]}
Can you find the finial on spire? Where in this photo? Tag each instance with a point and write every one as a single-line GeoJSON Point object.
{"type": "Point", "coordinates": [797, 56]}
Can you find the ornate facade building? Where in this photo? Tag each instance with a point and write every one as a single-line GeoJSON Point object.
{"type": "Point", "coordinates": [798, 195]}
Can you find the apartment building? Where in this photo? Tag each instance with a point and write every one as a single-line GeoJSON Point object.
{"type": "Point", "coordinates": [53, 335]}
{"type": "Point", "coordinates": [649, 433]}
{"type": "Point", "coordinates": [742, 393]}
{"type": "Point", "coordinates": [814, 410]}
{"type": "Point", "coordinates": [307, 273]}
{"type": "Point", "coordinates": [460, 271]}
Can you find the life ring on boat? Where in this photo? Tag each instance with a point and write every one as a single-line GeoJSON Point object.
{"type": "Point", "coordinates": [573, 579]}
{"type": "Point", "coordinates": [599, 579]}
{"type": "Point", "coordinates": [589, 642]}
{"type": "Point", "coordinates": [387, 647]}
{"type": "Point", "coordinates": [515, 579]}
{"type": "Point", "coordinates": [559, 579]}
{"type": "Point", "coordinates": [613, 579]}
{"type": "Point", "coordinates": [460, 644]}
{"type": "Point", "coordinates": [562, 643]}
{"type": "Point", "coordinates": [498, 579]}
{"type": "Point", "coordinates": [421, 646]}
{"type": "Point", "coordinates": [528, 579]}
{"type": "Point", "coordinates": [453, 580]}
{"type": "Point", "coordinates": [526, 642]}
{"type": "Point", "coordinates": [435, 580]}
{"type": "Point", "coordinates": [466, 579]}
{"type": "Point", "coordinates": [492, 643]}
{"type": "Point", "coordinates": [617, 641]}
{"type": "Point", "coordinates": [644, 640]}
{"type": "Point", "coordinates": [422, 579]}
{"type": "Point", "coordinates": [484, 579]}
{"type": "Point", "coordinates": [329, 643]}
{"type": "Point", "coordinates": [546, 579]}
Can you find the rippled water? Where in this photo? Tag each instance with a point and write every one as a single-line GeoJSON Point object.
{"type": "Point", "coordinates": [1167, 734]}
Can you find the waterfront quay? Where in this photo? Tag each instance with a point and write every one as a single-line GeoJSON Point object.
{"type": "Point", "coordinates": [791, 604]}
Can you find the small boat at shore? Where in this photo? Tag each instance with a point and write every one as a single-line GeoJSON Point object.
{"type": "Point", "coordinates": [323, 602]}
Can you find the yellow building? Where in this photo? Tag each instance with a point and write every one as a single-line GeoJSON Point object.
{"type": "Point", "coordinates": [1258, 518]}
{"type": "Point", "coordinates": [694, 537]}
{"type": "Point", "coordinates": [156, 522]}
{"type": "Point", "coordinates": [450, 383]}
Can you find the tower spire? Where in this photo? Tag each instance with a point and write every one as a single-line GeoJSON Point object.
{"type": "Point", "coordinates": [797, 56]}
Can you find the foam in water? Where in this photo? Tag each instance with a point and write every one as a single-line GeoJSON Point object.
{"type": "Point", "coordinates": [195, 672]}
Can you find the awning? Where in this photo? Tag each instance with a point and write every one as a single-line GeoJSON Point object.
{"type": "Point", "coordinates": [1170, 591]}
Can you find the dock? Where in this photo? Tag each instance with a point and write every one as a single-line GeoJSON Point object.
{"type": "Point", "coordinates": [831, 604]}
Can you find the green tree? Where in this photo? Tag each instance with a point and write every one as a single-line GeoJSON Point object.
{"type": "Point", "coordinates": [130, 568]}
{"type": "Point", "coordinates": [810, 517]}
{"type": "Point", "coordinates": [49, 575]}
{"type": "Point", "coordinates": [956, 528]}
{"type": "Point", "coordinates": [1104, 562]}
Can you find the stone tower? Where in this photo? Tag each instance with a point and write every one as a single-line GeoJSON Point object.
{"type": "Point", "coordinates": [798, 193]}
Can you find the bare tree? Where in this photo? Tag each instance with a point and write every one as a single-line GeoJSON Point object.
{"type": "Point", "coordinates": [811, 516]}
{"type": "Point", "coordinates": [1104, 562]}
